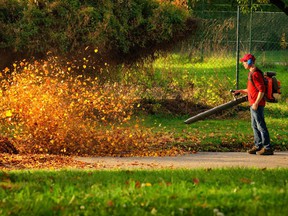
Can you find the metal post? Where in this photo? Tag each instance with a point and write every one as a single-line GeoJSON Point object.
{"type": "Point", "coordinates": [201, 43]}
{"type": "Point", "coordinates": [237, 47]}
{"type": "Point", "coordinates": [250, 30]}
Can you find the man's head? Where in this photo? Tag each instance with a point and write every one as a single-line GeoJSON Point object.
{"type": "Point", "coordinates": [248, 60]}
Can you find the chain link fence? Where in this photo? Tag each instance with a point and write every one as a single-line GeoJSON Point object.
{"type": "Point", "coordinates": [260, 31]}
{"type": "Point", "coordinates": [263, 33]}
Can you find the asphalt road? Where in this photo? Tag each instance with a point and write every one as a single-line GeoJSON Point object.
{"type": "Point", "coordinates": [190, 161]}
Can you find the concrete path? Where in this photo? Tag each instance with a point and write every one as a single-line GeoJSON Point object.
{"type": "Point", "coordinates": [198, 160]}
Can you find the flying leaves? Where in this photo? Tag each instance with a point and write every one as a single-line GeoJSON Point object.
{"type": "Point", "coordinates": [48, 109]}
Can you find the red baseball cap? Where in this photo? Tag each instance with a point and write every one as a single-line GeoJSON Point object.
{"type": "Point", "coordinates": [246, 57]}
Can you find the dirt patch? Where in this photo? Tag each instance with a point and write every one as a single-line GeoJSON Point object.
{"type": "Point", "coordinates": [7, 147]}
{"type": "Point", "coordinates": [180, 107]}
{"type": "Point", "coordinates": [175, 107]}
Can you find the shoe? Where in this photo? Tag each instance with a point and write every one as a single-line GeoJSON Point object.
{"type": "Point", "coordinates": [265, 151]}
{"type": "Point", "coordinates": [254, 150]}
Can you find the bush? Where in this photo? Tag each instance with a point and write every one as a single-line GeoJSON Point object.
{"type": "Point", "coordinates": [114, 27]}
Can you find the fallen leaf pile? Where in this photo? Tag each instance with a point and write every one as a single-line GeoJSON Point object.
{"type": "Point", "coordinates": [42, 161]}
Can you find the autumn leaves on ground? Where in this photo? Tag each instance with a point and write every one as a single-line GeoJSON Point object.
{"type": "Point", "coordinates": [45, 110]}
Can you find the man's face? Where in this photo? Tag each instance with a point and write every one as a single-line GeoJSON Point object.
{"type": "Point", "coordinates": [245, 64]}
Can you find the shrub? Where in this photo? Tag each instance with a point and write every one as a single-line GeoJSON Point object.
{"type": "Point", "coordinates": [114, 27]}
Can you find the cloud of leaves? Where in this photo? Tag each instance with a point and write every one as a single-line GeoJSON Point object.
{"type": "Point", "coordinates": [46, 109]}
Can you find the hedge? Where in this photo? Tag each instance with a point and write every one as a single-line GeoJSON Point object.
{"type": "Point", "coordinates": [115, 27]}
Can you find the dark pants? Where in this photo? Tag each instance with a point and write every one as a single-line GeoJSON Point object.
{"type": "Point", "coordinates": [261, 134]}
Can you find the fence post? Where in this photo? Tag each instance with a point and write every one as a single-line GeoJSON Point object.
{"type": "Point", "coordinates": [237, 46]}
{"type": "Point", "coordinates": [250, 30]}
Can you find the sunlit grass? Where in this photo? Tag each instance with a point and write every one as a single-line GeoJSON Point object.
{"type": "Point", "coordinates": [234, 130]}
{"type": "Point", "coordinates": [223, 67]}
{"type": "Point", "coordinates": [160, 192]}
{"type": "Point", "coordinates": [179, 61]}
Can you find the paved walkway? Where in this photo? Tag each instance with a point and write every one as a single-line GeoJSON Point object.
{"type": "Point", "coordinates": [198, 160]}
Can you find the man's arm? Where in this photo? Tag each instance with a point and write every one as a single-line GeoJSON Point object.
{"type": "Point", "coordinates": [259, 97]}
{"type": "Point", "coordinates": [241, 91]}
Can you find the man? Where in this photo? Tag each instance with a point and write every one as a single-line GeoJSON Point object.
{"type": "Point", "coordinates": [255, 90]}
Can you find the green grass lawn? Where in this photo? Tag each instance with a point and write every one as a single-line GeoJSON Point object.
{"type": "Point", "coordinates": [160, 192]}
{"type": "Point", "coordinates": [232, 133]}
{"type": "Point", "coordinates": [223, 68]}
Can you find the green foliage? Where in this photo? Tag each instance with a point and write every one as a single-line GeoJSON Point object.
{"type": "Point", "coordinates": [62, 26]}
